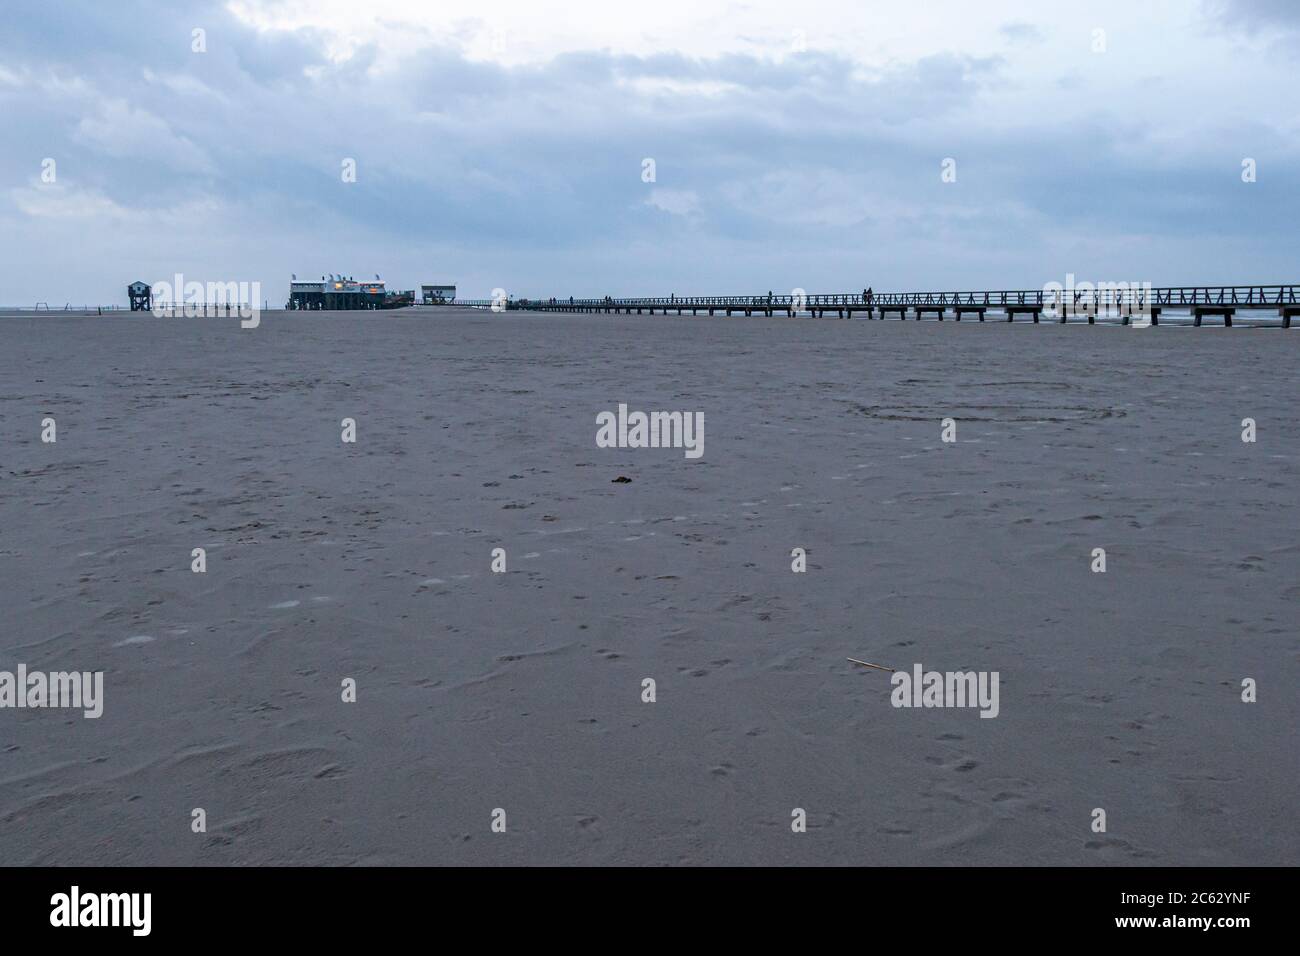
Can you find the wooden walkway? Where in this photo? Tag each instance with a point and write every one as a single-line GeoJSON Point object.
{"type": "Point", "coordinates": [1118, 301]}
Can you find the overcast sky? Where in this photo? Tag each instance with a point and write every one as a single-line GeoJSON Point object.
{"type": "Point", "coordinates": [502, 144]}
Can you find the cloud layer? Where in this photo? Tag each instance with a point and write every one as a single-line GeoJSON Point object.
{"type": "Point", "coordinates": [783, 156]}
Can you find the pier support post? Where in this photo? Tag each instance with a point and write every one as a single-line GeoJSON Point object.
{"type": "Point", "coordinates": [1200, 311]}
{"type": "Point", "coordinates": [1035, 310]}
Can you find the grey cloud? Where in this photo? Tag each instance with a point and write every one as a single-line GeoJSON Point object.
{"type": "Point", "coordinates": [1256, 14]}
{"type": "Point", "coordinates": [812, 168]}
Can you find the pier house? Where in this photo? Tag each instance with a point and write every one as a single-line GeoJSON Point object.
{"type": "Point", "coordinates": [140, 295]}
{"type": "Point", "coordinates": [337, 292]}
{"type": "Point", "coordinates": [437, 294]}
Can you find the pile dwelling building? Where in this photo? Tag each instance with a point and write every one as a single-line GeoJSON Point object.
{"type": "Point", "coordinates": [345, 293]}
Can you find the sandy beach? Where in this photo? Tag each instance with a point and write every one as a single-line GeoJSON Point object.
{"type": "Point", "coordinates": [523, 690]}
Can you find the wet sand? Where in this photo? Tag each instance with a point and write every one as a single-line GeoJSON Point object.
{"type": "Point", "coordinates": [522, 690]}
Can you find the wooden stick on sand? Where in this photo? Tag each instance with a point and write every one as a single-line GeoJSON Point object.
{"type": "Point", "coordinates": [879, 667]}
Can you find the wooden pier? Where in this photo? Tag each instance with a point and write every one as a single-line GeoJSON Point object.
{"type": "Point", "coordinates": [1118, 302]}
